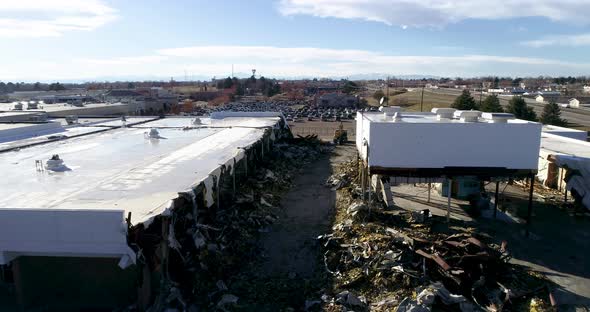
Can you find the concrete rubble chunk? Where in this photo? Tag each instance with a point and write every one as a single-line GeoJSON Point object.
{"type": "Point", "coordinates": [355, 207]}
{"type": "Point", "coordinates": [221, 285]}
{"type": "Point", "coordinates": [227, 299]}
{"type": "Point", "coordinates": [199, 239]}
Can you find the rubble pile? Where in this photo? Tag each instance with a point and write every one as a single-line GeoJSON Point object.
{"type": "Point", "coordinates": [388, 260]}
{"type": "Point", "coordinates": [205, 255]}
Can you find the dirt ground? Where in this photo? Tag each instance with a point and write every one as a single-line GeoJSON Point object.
{"type": "Point", "coordinates": [324, 129]}
{"type": "Point", "coordinates": [290, 270]}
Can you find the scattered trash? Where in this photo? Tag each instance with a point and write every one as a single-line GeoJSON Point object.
{"type": "Point", "coordinates": [227, 299]}
{"type": "Point", "coordinates": [401, 260]}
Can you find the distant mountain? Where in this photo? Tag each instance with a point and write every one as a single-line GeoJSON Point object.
{"type": "Point", "coordinates": [372, 76]}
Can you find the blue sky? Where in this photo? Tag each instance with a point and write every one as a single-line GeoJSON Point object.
{"type": "Point", "coordinates": [50, 40]}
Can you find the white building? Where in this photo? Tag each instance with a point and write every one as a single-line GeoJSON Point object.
{"type": "Point", "coordinates": [447, 142]}
{"type": "Point", "coordinates": [540, 98]}
{"type": "Point", "coordinates": [574, 103]}
{"type": "Point", "coordinates": [587, 89]}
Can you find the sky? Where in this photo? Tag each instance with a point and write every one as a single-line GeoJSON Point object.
{"type": "Point", "coordinates": [86, 40]}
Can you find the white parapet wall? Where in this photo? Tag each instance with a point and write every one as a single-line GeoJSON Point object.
{"type": "Point", "coordinates": [427, 141]}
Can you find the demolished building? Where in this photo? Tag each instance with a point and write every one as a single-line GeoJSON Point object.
{"type": "Point", "coordinates": [101, 205]}
{"type": "Point", "coordinates": [564, 164]}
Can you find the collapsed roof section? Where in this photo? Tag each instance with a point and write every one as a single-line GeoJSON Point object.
{"type": "Point", "coordinates": [107, 176]}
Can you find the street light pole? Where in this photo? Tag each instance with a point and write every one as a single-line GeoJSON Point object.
{"type": "Point", "coordinates": [422, 99]}
{"type": "Point", "coordinates": [387, 95]}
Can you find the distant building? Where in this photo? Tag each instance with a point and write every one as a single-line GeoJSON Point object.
{"type": "Point", "coordinates": [338, 100]}
{"type": "Point", "coordinates": [587, 89]}
{"type": "Point", "coordinates": [518, 91]}
{"type": "Point", "coordinates": [122, 95]}
{"type": "Point", "coordinates": [495, 91]}
{"type": "Point", "coordinates": [575, 103]}
{"type": "Point", "coordinates": [547, 96]}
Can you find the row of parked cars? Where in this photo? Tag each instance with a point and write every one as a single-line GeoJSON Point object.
{"type": "Point", "coordinates": [324, 114]}
{"type": "Point", "coordinates": [292, 110]}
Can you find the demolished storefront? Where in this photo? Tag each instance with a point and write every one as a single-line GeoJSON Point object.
{"type": "Point", "coordinates": [87, 221]}
{"type": "Point", "coordinates": [564, 165]}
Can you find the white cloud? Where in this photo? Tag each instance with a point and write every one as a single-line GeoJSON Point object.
{"type": "Point", "coordinates": [270, 61]}
{"type": "Point", "coordinates": [44, 18]}
{"type": "Point", "coordinates": [437, 13]}
{"type": "Point", "coordinates": [562, 40]}
{"type": "Point", "coordinates": [306, 61]}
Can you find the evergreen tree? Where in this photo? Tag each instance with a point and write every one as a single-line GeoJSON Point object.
{"type": "Point", "coordinates": [518, 107]}
{"type": "Point", "coordinates": [491, 105]}
{"type": "Point", "coordinates": [350, 87]}
{"type": "Point", "coordinates": [378, 95]}
{"type": "Point", "coordinates": [552, 115]}
{"type": "Point", "coordinates": [464, 101]}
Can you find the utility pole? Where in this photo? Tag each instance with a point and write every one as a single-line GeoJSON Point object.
{"type": "Point", "coordinates": [480, 94]}
{"type": "Point", "coordinates": [387, 95]}
{"type": "Point", "coordinates": [422, 99]}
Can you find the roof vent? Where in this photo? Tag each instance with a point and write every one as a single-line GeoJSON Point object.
{"type": "Point", "coordinates": [391, 111]}
{"type": "Point", "coordinates": [56, 164]}
{"type": "Point", "coordinates": [153, 134]}
{"type": "Point", "coordinates": [443, 113]}
{"type": "Point", "coordinates": [497, 117]}
{"type": "Point", "coordinates": [467, 116]}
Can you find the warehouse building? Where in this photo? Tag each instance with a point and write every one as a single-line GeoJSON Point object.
{"type": "Point", "coordinates": [106, 198]}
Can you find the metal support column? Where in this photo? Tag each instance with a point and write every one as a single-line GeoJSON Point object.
{"type": "Point", "coordinates": [496, 198]}
{"type": "Point", "coordinates": [370, 187]}
{"type": "Point", "coordinates": [450, 184]}
{"type": "Point", "coordinates": [363, 180]}
{"type": "Point", "coordinates": [530, 209]}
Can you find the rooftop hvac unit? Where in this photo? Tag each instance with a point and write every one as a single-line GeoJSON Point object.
{"type": "Point", "coordinates": [443, 113]}
{"type": "Point", "coordinates": [497, 117]}
{"type": "Point", "coordinates": [392, 111]}
{"type": "Point", "coordinates": [467, 116]}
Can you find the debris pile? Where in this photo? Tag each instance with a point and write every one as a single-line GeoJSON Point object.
{"type": "Point", "coordinates": [209, 248]}
{"type": "Point", "coordinates": [413, 261]}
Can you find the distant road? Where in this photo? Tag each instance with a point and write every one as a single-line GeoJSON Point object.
{"type": "Point", "coordinates": [577, 116]}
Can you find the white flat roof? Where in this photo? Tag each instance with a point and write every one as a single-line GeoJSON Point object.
{"type": "Point", "coordinates": [115, 172]}
{"type": "Point", "coordinates": [425, 117]}
{"type": "Point", "coordinates": [560, 145]}
{"type": "Point", "coordinates": [121, 168]}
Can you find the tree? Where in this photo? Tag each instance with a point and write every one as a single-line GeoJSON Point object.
{"type": "Point", "coordinates": [518, 107]}
{"type": "Point", "coordinates": [378, 95]}
{"type": "Point", "coordinates": [491, 105]}
{"type": "Point", "coordinates": [240, 89]}
{"type": "Point", "coordinates": [496, 82]}
{"type": "Point", "coordinates": [464, 101]}
{"type": "Point", "coordinates": [228, 83]}
{"type": "Point", "coordinates": [349, 87]}
{"type": "Point", "coordinates": [56, 87]}
{"type": "Point", "coordinates": [552, 115]}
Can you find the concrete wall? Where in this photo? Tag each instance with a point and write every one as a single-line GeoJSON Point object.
{"type": "Point", "coordinates": [73, 284]}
